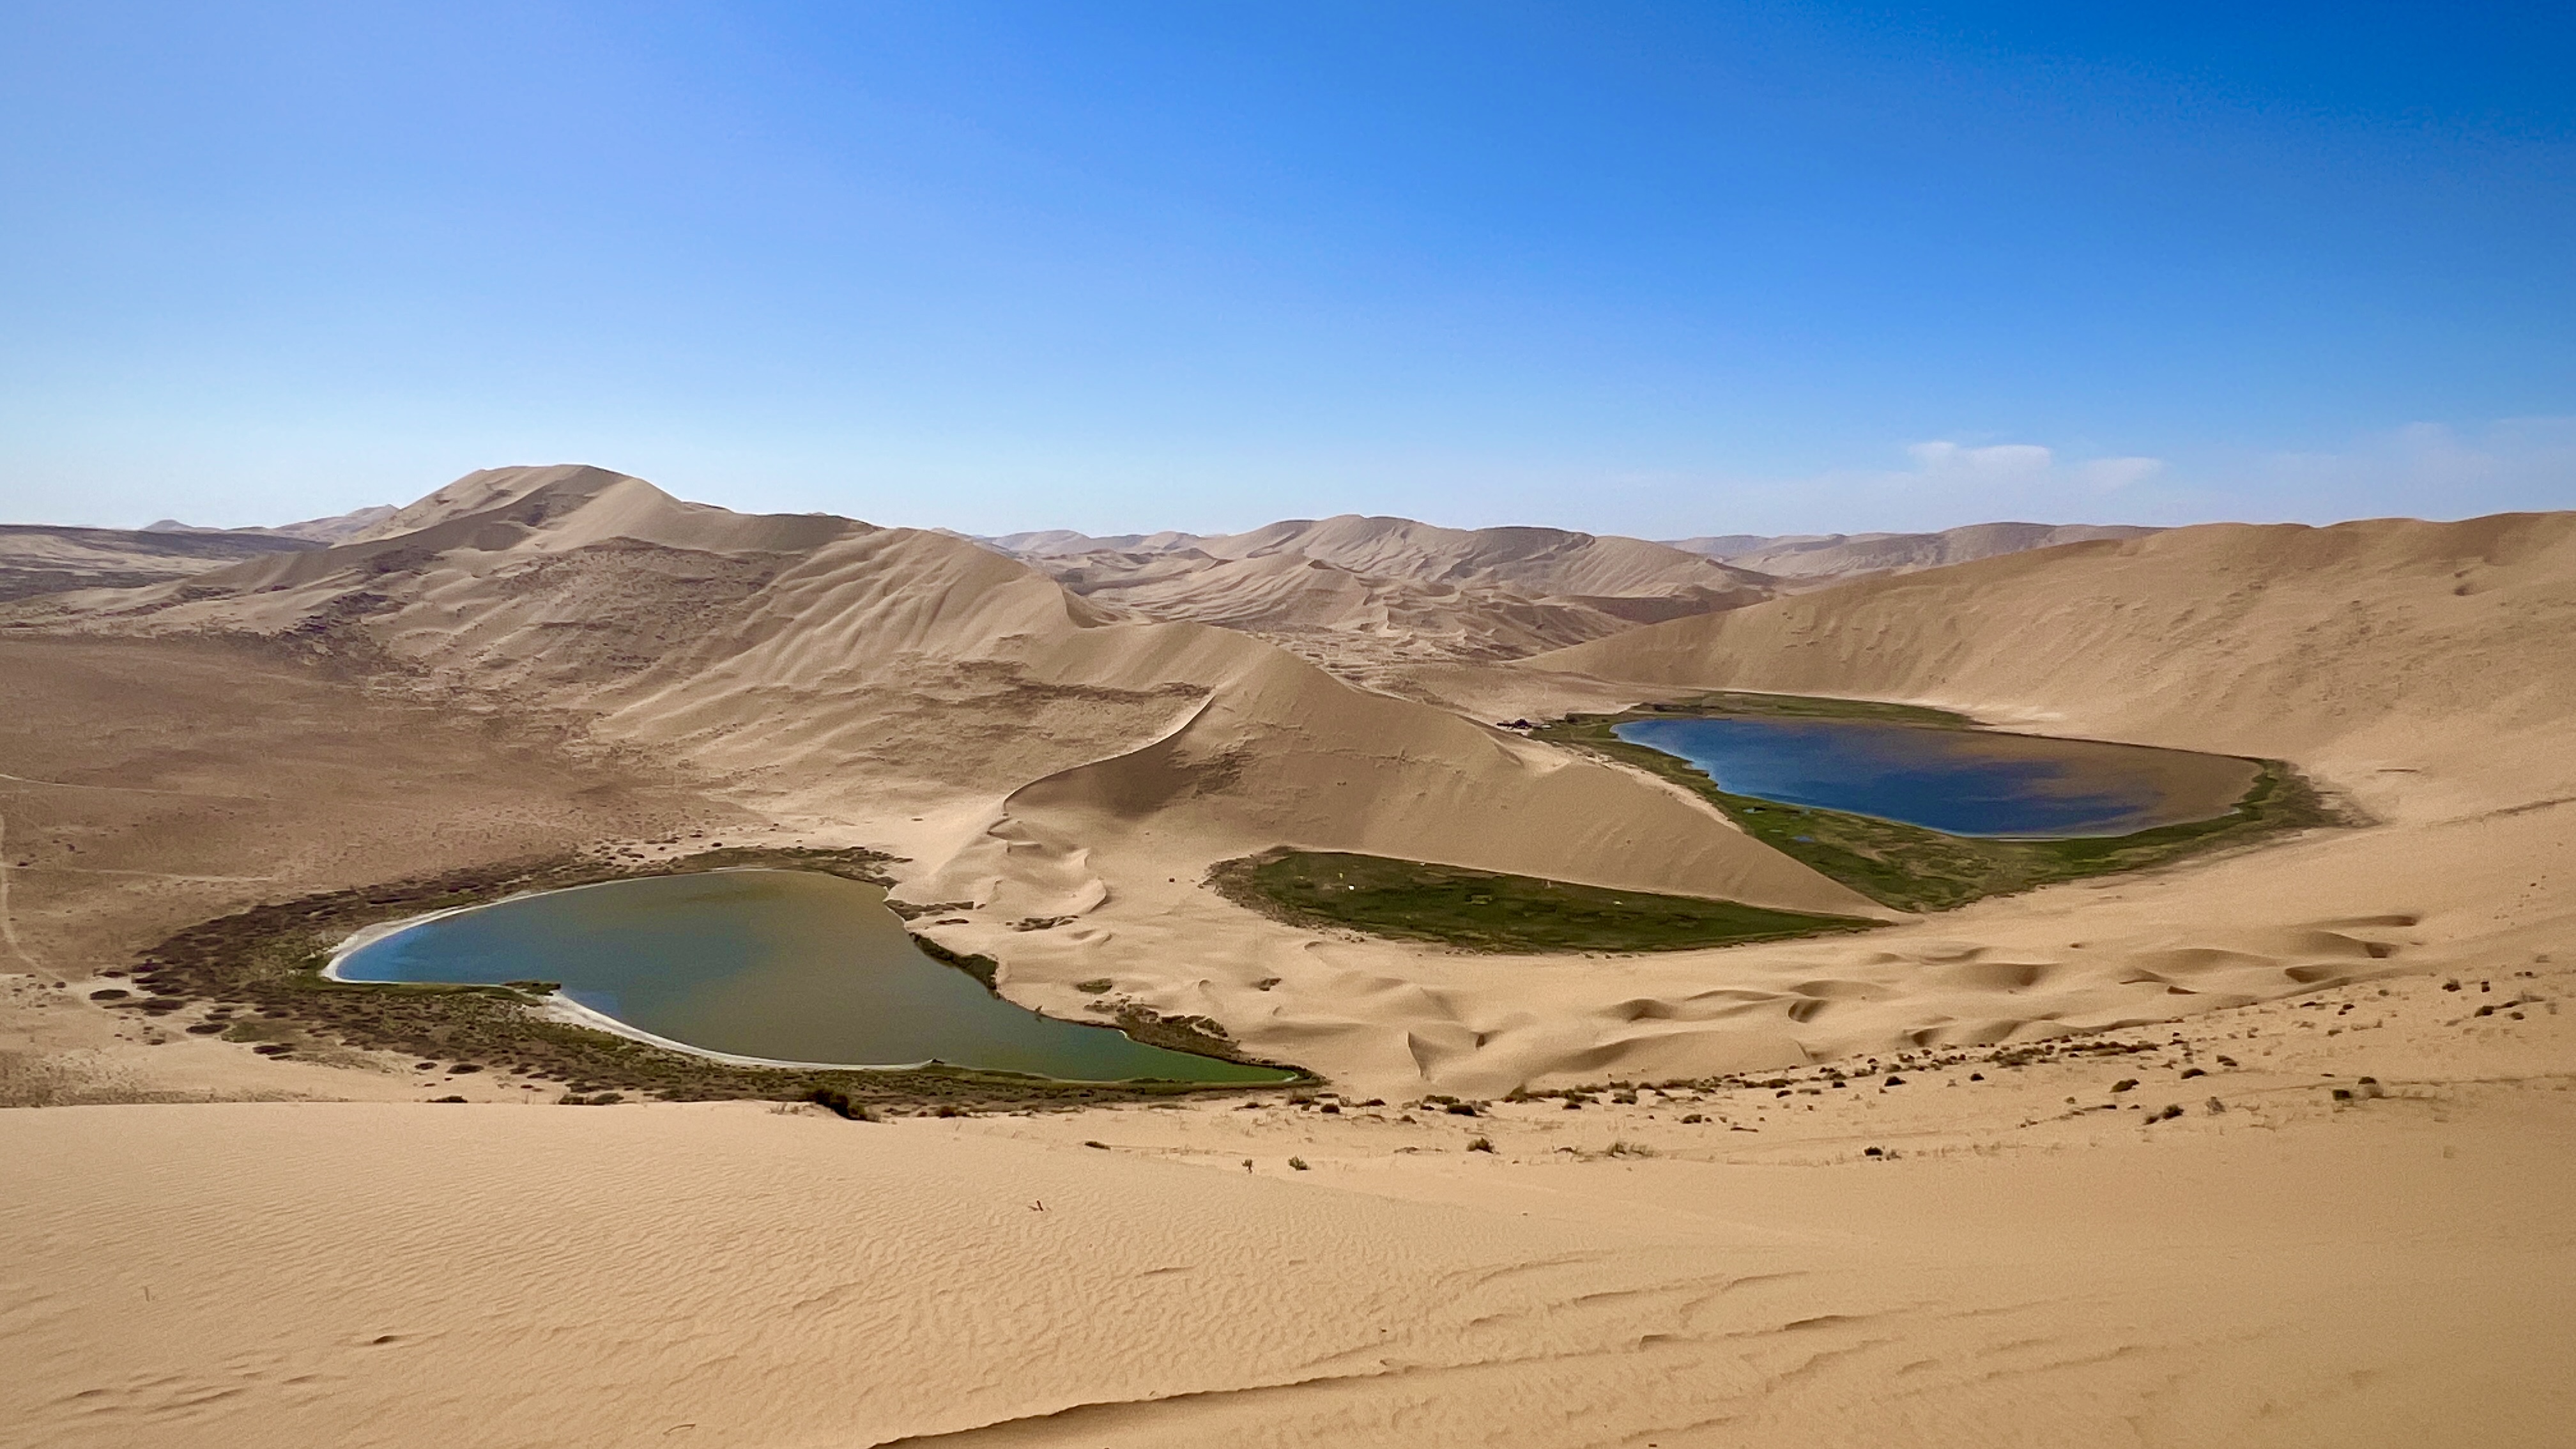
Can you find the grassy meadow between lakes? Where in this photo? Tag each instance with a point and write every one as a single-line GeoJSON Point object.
{"type": "Point", "coordinates": [1480, 910]}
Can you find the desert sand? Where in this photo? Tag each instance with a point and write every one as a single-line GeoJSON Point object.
{"type": "Point", "coordinates": [2391, 1270]}
{"type": "Point", "coordinates": [540, 659]}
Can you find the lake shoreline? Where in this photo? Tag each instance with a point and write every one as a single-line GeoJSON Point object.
{"type": "Point", "coordinates": [2158, 787]}
{"type": "Point", "coordinates": [1912, 868]}
{"type": "Point", "coordinates": [271, 960]}
{"type": "Point", "coordinates": [734, 964]}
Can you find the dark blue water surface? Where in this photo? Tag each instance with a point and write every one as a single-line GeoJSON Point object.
{"type": "Point", "coordinates": [1959, 782]}
{"type": "Point", "coordinates": [788, 966]}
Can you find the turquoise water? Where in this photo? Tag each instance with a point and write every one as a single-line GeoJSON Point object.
{"type": "Point", "coordinates": [787, 966]}
{"type": "Point", "coordinates": [1959, 782]}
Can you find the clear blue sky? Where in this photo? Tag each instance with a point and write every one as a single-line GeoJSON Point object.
{"type": "Point", "coordinates": [1655, 269]}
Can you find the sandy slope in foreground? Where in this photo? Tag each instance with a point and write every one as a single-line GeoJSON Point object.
{"type": "Point", "coordinates": [2391, 1271]}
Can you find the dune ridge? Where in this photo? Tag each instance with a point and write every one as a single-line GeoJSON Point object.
{"type": "Point", "coordinates": [338, 528]}
{"type": "Point", "coordinates": [1828, 556]}
{"type": "Point", "coordinates": [1362, 595]}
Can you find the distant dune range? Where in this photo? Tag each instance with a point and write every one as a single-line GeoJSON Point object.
{"type": "Point", "coordinates": [1361, 595]}
{"type": "Point", "coordinates": [43, 559]}
{"type": "Point", "coordinates": [1072, 770]}
{"type": "Point", "coordinates": [1369, 597]}
{"type": "Point", "coordinates": [1811, 557]}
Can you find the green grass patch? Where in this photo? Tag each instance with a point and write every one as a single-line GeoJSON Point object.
{"type": "Point", "coordinates": [1914, 869]}
{"type": "Point", "coordinates": [1797, 706]}
{"type": "Point", "coordinates": [1485, 911]}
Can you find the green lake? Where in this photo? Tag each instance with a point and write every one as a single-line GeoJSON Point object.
{"type": "Point", "coordinates": [771, 965]}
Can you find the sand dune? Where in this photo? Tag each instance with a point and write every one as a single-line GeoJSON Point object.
{"type": "Point", "coordinates": [2389, 1270]}
{"type": "Point", "coordinates": [1360, 595]}
{"type": "Point", "coordinates": [43, 559]}
{"type": "Point", "coordinates": [1814, 557]}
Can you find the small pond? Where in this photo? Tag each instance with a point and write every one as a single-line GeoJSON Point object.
{"type": "Point", "coordinates": [781, 966]}
{"type": "Point", "coordinates": [1957, 781]}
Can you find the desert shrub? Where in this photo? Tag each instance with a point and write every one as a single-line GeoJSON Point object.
{"type": "Point", "coordinates": [841, 1104]}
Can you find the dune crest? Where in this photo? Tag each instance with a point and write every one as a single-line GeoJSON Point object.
{"type": "Point", "coordinates": [1363, 595]}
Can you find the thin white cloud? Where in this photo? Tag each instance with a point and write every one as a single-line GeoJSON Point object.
{"type": "Point", "coordinates": [2110, 475]}
{"type": "Point", "coordinates": [1942, 459]}
{"type": "Point", "coordinates": [1949, 482]}
{"type": "Point", "coordinates": [2435, 470]}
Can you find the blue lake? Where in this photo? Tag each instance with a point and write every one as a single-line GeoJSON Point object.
{"type": "Point", "coordinates": [1957, 781]}
{"type": "Point", "coordinates": [784, 966]}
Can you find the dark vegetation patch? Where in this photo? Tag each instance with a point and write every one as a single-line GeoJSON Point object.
{"type": "Point", "coordinates": [1800, 706]}
{"type": "Point", "coordinates": [1814, 1080]}
{"type": "Point", "coordinates": [1485, 911]}
{"type": "Point", "coordinates": [1200, 1035]}
{"type": "Point", "coordinates": [974, 963]}
{"type": "Point", "coordinates": [269, 960]}
{"type": "Point", "coordinates": [1914, 869]}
